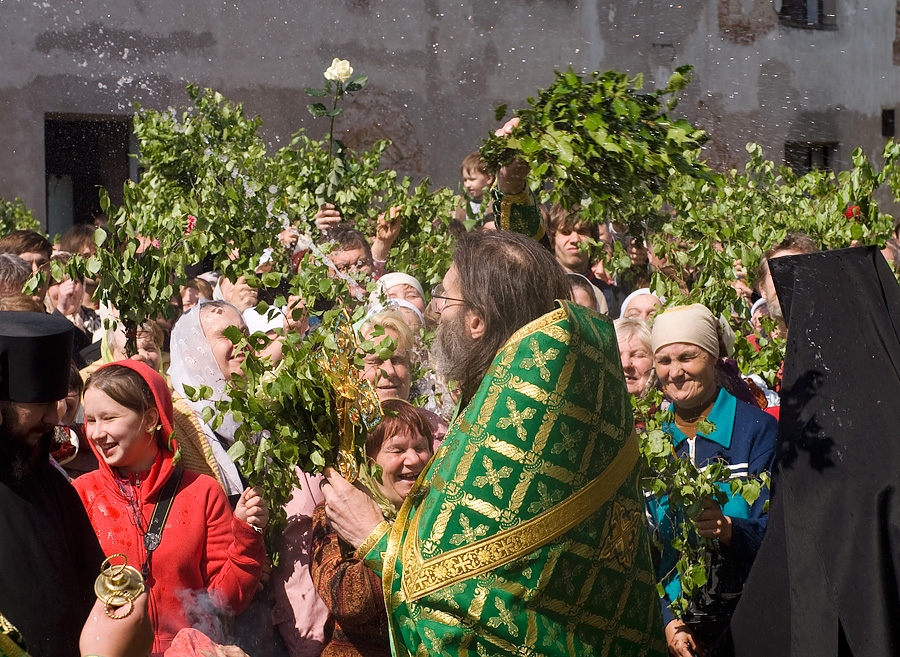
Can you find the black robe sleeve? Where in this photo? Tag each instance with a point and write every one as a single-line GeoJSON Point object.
{"type": "Point", "coordinates": [49, 558]}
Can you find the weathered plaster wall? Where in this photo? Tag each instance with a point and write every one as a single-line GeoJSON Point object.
{"type": "Point", "coordinates": [437, 68]}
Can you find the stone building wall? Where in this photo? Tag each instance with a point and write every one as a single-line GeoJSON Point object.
{"type": "Point", "coordinates": [437, 68]}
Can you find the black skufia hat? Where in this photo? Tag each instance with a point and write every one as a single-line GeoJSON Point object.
{"type": "Point", "coordinates": [35, 356]}
{"type": "Point", "coordinates": [826, 580]}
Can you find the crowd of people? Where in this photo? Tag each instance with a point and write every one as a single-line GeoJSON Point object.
{"type": "Point", "coordinates": [508, 516]}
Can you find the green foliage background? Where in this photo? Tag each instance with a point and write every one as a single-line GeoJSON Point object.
{"type": "Point", "coordinates": [598, 141]}
{"type": "Point", "coordinates": [206, 167]}
{"type": "Point", "coordinates": [15, 215]}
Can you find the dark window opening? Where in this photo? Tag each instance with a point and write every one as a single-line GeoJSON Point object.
{"type": "Point", "coordinates": [806, 156]}
{"type": "Point", "coordinates": [82, 154]}
{"type": "Point", "coordinates": [811, 14]}
{"type": "Point", "coordinates": [887, 123]}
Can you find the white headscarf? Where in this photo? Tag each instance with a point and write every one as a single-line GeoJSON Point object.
{"type": "Point", "coordinates": [693, 324]}
{"type": "Point", "coordinates": [387, 281]}
{"type": "Point", "coordinates": [392, 304]}
{"type": "Point", "coordinates": [759, 303]}
{"type": "Point", "coordinates": [193, 364]}
{"type": "Point", "coordinates": [602, 306]}
{"type": "Point", "coordinates": [638, 293]}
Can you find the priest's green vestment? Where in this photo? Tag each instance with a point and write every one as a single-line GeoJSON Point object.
{"type": "Point", "coordinates": [526, 535]}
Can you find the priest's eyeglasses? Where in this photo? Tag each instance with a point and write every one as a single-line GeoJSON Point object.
{"type": "Point", "coordinates": [438, 293]}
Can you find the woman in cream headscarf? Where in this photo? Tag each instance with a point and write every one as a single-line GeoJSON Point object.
{"type": "Point", "coordinates": [687, 341]}
{"type": "Point", "coordinates": [403, 294]}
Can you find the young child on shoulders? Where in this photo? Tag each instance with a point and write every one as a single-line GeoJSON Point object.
{"type": "Point", "coordinates": [477, 180]}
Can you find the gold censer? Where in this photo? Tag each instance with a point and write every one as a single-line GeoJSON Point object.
{"type": "Point", "coordinates": [118, 585]}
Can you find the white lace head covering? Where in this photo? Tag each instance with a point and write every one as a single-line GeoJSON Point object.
{"type": "Point", "coordinates": [193, 364]}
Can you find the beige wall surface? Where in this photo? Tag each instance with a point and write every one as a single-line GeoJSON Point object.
{"type": "Point", "coordinates": [437, 68]}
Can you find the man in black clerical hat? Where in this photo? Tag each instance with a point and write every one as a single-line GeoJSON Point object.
{"type": "Point", "coordinates": [49, 555]}
{"type": "Point", "coordinates": [826, 581]}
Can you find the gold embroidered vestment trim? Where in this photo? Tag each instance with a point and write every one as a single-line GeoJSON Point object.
{"type": "Point", "coordinates": [421, 578]}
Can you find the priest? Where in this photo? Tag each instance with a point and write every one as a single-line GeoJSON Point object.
{"type": "Point", "coordinates": [49, 556]}
{"type": "Point", "coordinates": [526, 533]}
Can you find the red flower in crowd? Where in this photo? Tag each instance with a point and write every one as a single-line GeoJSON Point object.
{"type": "Point", "coordinates": [852, 212]}
{"type": "Point", "coordinates": [191, 224]}
{"type": "Point", "coordinates": [155, 244]}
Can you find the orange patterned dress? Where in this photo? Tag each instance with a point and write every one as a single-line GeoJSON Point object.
{"type": "Point", "coordinates": [358, 625]}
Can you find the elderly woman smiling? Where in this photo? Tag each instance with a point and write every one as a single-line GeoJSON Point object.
{"type": "Point", "coordinates": [636, 353]}
{"type": "Point", "coordinates": [686, 344]}
{"type": "Point", "coordinates": [401, 447]}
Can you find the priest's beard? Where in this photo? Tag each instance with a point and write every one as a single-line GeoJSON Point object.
{"type": "Point", "coordinates": [18, 460]}
{"type": "Point", "coordinates": [458, 357]}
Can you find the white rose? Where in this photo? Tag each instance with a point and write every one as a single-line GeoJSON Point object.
{"type": "Point", "coordinates": [339, 71]}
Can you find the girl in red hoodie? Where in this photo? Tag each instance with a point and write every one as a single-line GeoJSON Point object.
{"type": "Point", "coordinates": [208, 561]}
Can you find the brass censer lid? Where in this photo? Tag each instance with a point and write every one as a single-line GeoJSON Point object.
{"type": "Point", "coordinates": [118, 585]}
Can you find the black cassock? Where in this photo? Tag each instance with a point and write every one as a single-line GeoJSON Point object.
{"type": "Point", "coordinates": [825, 581]}
{"type": "Point", "coordinates": [49, 558]}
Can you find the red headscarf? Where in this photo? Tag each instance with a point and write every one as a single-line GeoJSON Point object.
{"type": "Point", "coordinates": [161, 395]}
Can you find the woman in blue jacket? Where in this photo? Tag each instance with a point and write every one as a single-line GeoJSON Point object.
{"type": "Point", "coordinates": [686, 346]}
